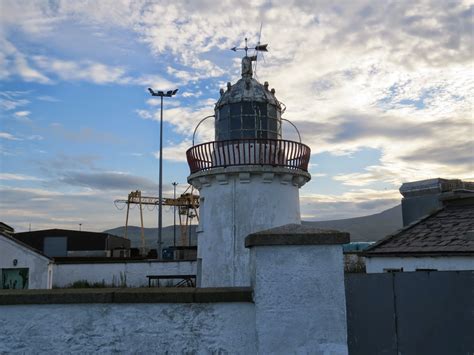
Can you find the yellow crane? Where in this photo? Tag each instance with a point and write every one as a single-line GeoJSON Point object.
{"type": "Point", "coordinates": [187, 204]}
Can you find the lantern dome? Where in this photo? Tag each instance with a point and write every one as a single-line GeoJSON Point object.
{"type": "Point", "coordinates": [247, 109]}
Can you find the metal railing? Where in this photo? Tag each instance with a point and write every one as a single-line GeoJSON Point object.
{"type": "Point", "coordinates": [273, 152]}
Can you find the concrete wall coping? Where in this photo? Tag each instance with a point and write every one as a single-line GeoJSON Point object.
{"type": "Point", "coordinates": [110, 260]}
{"type": "Point", "coordinates": [126, 295]}
{"type": "Point", "coordinates": [296, 234]}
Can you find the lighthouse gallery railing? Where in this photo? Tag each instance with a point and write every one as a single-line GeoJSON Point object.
{"type": "Point", "coordinates": [274, 152]}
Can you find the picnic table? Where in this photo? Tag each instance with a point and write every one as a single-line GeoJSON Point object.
{"type": "Point", "coordinates": [186, 280]}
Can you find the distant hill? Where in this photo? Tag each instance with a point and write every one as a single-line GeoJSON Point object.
{"type": "Point", "coordinates": [368, 228]}
{"type": "Point", "coordinates": [151, 235]}
{"type": "Point", "coordinates": [362, 229]}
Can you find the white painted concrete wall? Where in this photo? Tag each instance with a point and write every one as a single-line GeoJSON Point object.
{"type": "Point", "coordinates": [212, 328]}
{"type": "Point", "coordinates": [236, 202]}
{"type": "Point", "coordinates": [300, 305]}
{"type": "Point", "coordinates": [133, 273]}
{"type": "Point", "coordinates": [39, 266]}
{"type": "Point", "coordinates": [446, 263]}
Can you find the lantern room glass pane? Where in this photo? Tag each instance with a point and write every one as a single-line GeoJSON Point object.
{"type": "Point", "coordinates": [234, 134]}
{"type": "Point", "coordinates": [223, 126]}
{"type": "Point", "coordinates": [224, 113]}
{"type": "Point", "coordinates": [262, 109]}
{"type": "Point", "coordinates": [272, 111]}
{"type": "Point", "coordinates": [235, 123]}
{"type": "Point", "coordinates": [247, 108]}
{"type": "Point", "coordinates": [249, 134]}
{"type": "Point", "coordinates": [248, 122]}
{"type": "Point", "coordinates": [272, 125]}
{"type": "Point", "coordinates": [235, 110]}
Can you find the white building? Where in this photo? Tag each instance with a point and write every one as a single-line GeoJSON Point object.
{"type": "Point", "coordinates": [441, 240]}
{"type": "Point", "coordinates": [248, 179]}
{"type": "Point", "coordinates": [23, 267]}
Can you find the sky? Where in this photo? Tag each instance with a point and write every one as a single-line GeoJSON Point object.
{"type": "Point", "coordinates": [380, 90]}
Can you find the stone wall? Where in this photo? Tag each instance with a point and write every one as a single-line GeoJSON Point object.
{"type": "Point", "coordinates": [442, 263]}
{"type": "Point", "coordinates": [129, 273]}
{"type": "Point", "coordinates": [127, 323]}
{"type": "Point", "coordinates": [296, 305]}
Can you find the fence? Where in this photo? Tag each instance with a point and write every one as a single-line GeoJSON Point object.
{"type": "Point", "coordinates": [410, 313]}
{"type": "Point", "coordinates": [274, 152]}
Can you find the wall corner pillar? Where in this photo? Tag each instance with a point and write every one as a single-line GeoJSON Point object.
{"type": "Point", "coordinates": [297, 273]}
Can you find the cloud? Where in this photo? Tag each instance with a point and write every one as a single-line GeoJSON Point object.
{"type": "Point", "coordinates": [22, 113]}
{"type": "Point", "coordinates": [15, 62]}
{"type": "Point", "coordinates": [18, 177]}
{"type": "Point", "coordinates": [95, 209]}
{"type": "Point", "coordinates": [11, 100]}
{"type": "Point", "coordinates": [8, 136]}
{"type": "Point", "coordinates": [108, 181]}
{"type": "Point", "coordinates": [354, 203]}
{"type": "Point", "coordinates": [47, 98]}
{"type": "Point", "coordinates": [83, 134]}
{"type": "Point", "coordinates": [175, 152]}
{"type": "Point", "coordinates": [95, 72]}
{"type": "Point", "coordinates": [389, 76]}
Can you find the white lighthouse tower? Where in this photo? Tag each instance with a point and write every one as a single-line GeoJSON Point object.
{"type": "Point", "coordinates": [248, 179]}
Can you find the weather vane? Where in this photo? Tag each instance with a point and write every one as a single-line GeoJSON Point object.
{"type": "Point", "coordinates": [259, 48]}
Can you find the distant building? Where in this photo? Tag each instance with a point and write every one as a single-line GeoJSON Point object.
{"type": "Point", "coordinates": [438, 234]}
{"type": "Point", "coordinates": [6, 229]}
{"type": "Point", "coordinates": [23, 267]}
{"type": "Point", "coordinates": [70, 243]}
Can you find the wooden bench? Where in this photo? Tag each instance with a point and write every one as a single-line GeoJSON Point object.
{"type": "Point", "coordinates": [186, 280]}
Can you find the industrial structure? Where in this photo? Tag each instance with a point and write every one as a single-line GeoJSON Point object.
{"type": "Point", "coordinates": [187, 204]}
{"type": "Point", "coordinates": [248, 178]}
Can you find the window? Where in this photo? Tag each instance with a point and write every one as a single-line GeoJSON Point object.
{"type": "Point", "coordinates": [235, 123]}
{"type": "Point", "coordinates": [249, 122]}
{"type": "Point", "coordinates": [247, 108]}
{"type": "Point", "coordinates": [15, 278]}
{"type": "Point", "coordinates": [272, 111]}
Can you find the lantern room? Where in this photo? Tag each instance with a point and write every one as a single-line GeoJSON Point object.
{"type": "Point", "coordinates": [247, 109]}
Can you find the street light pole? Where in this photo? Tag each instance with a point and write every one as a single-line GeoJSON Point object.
{"type": "Point", "coordinates": [161, 94]}
{"type": "Point", "coordinates": [174, 214]}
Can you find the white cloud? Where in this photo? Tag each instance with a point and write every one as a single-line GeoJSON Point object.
{"type": "Point", "coordinates": [84, 70]}
{"type": "Point", "coordinates": [11, 100]}
{"type": "Point", "coordinates": [175, 152]}
{"type": "Point", "coordinates": [354, 203]}
{"type": "Point", "coordinates": [9, 136]}
{"type": "Point", "coordinates": [22, 113]}
{"type": "Point", "coordinates": [18, 177]}
{"type": "Point", "coordinates": [389, 76]}
{"type": "Point", "coordinates": [15, 62]}
{"type": "Point", "coordinates": [47, 98]}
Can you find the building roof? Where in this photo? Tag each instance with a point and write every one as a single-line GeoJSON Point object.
{"type": "Point", "coordinates": [6, 228]}
{"type": "Point", "coordinates": [77, 240]}
{"type": "Point", "coordinates": [247, 89]}
{"type": "Point", "coordinates": [447, 231]}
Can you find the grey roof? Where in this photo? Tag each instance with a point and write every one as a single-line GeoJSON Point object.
{"type": "Point", "coordinates": [449, 230]}
{"type": "Point", "coordinates": [247, 89]}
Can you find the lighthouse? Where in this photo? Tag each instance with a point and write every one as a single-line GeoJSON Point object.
{"type": "Point", "coordinates": [248, 178]}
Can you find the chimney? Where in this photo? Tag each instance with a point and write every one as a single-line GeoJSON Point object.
{"type": "Point", "coordinates": [421, 198]}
